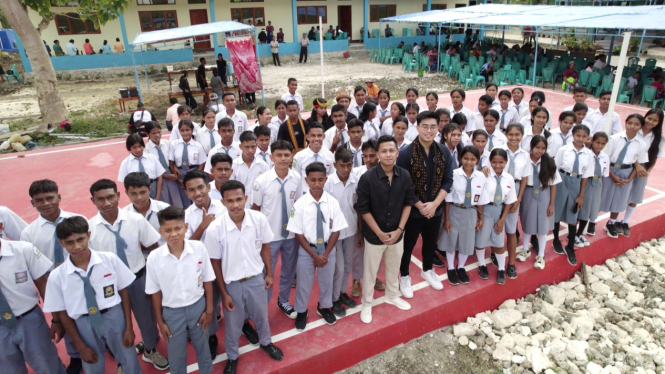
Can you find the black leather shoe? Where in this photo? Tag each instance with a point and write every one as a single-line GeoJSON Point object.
{"type": "Point", "coordinates": [452, 277]}
{"type": "Point", "coordinates": [463, 276]}
{"type": "Point", "coordinates": [483, 273]}
{"type": "Point", "coordinates": [346, 300]}
{"type": "Point", "coordinates": [558, 247]}
{"type": "Point", "coordinates": [511, 272]}
{"type": "Point", "coordinates": [570, 253]}
{"type": "Point", "coordinates": [501, 277]}
{"type": "Point", "coordinates": [338, 309]}
{"type": "Point", "coordinates": [301, 321]}
{"type": "Point", "coordinates": [75, 366]}
{"type": "Point", "coordinates": [250, 333]}
{"type": "Point", "coordinates": [213, 343]}
{"type": "Point", "coordinates": [273, 351]}
{"type": "Point", "coordinates": [231, 367]}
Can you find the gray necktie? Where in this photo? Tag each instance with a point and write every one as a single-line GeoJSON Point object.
{"type": "Point", "coordinates": [285, 213]}
{"type": "Point", "coordinates": [226, 150]}
{"type": "Point", "coordinates": [342, 141]}
{"type": "Point", "coordinates": [162, 160]}
{"type": "Point", "coordinates": [58, 256]}
{"type": "Point", "coordinates": [120, 244]}
{"type": "Point", "coordinates": [498, 194]}
{"type": "Point", "coordinates": [479, 167]}
{"type": "Point", "coordinates": [8, 319]}
{"type": "Point", "coordinates": [212, 140]}
{"type": "Point", "coordinates": [563, 139]}
{"type": "Point", "coordinates": [503, 116]}
{"type": "Point", "coordinates": [596, 173]}
{"type": "Point", "coordinates": [141, 167]}
{"type": "Point", "coordinates": [536, 181]}
{"type": "Point", "coordinates": [511, 164]}
{"type": "Point", "coordinates": [467, 195]}
{"type": "Point", "coordinates": [264, 155]}
{"type": "Point", "coordinates": [491, 142]}
{"type": "Point", "coordinates": [94, 316]}
{"type": "Point", "coordinates": [185, 155]}
{"type": "Point", "coordinates": [517, 109]}
{"type": "Point", "coordinates": [617, 165]}
{"type": "Point", "coordinates": [316, 157]}
{"type": "Point", "coordinates": [355, 159]}
{"type": "Point", "coordinates": [320, 247]}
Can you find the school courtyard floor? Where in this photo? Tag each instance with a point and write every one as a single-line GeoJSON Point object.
{"type": "Point", "coordinates": [322, 348]}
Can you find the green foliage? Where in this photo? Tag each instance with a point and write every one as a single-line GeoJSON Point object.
{"type": "Point", "coordinates": [97, 127]}
{"type": "Point", "coordinates": [574, 44]}
{"type": "Point", "coordinates": [98, 11]}
{"type": "Point", "coordinates": [3, 22]}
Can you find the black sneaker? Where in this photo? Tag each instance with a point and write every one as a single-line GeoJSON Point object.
{"type": "Point", "coordinates": [591, 229]}
{"type": "Point", "coordinates": [534, 242]}
{"type": "Point", "coordinates": [511, 272]}
{"type": "Point", "coordinates": [287, 309]}
{"type": "Point", "coordinates": [273, 351]}
{"type": "Point", "coordinates": [558, 247]}
{"type": "Point", "coordinates": [139, 348]}
{"type": "Point", "coordinates": [231, 366]}
{"type": "Point", "coordinates": [301, 321]}
{"type": "Point", "coordinates": [213, 343]}
{"type": "Point", "coordinates": [327, 315]}
{"type": "Point", "coordinates": [463, 276]}
{"type": "Point", "coordinates": [250, 333]}
{"type": "Point", "coordinates": [75, 366]}
{"type": "Point", "coordinates": [570, 253]}
{"type": "Point", "coordinates": [618, 227]}
{"type": "Point", "coordinates": [501, 277]}
{"type": "Point", "coordinates": [483, 273]}
{"type": "Point", "coordinates": [346, 300]}
{"type": "Point", "coordinates": [453, 279]}
{"type": "Point", "coordinates": [338, 309]}
{"type": "Point", "coordinates": [437, 262]}
{"type": "Point", "coordinates": [625, 230]}
{"type": "Point", "coordinates": [495, 262]}
{"type": "Point", "coordinates": [611, 231]}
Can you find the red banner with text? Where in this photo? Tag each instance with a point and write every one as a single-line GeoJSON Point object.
{"type": "Point", "coordinates": [243, 58]}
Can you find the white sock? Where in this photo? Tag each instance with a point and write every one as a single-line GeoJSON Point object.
{"type": "Point", "coordinates": [542, 240]}
{"type": "Point", "coordinates": [461, 260]}
{"type": "Point", "coordinates": [628, 214]}
{"type": "Point", "coordinates": [501, 259]}
{"type": "Point", "coordinates": [611, 221]}
{"type": "Point", "coordinates": [526, 238]}
{"type": "Point", "coordinates": [480, 253]}
{"type": "Point", "coordinates": [450, 256]}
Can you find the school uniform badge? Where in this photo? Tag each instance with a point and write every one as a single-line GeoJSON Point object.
{"type": "Point", "coordinates": [37, 253]}
{"type": "Point", "coordinates": [256, 186]}
{"type": "Point", "coordinates": [7, 316]}
{"type": "Point", "coordinates": [292, 213]}
{"type": "Point", "coordinates": [92, 310]}
{"type": "Point", "coordinates": [21, 277]}
{"type": "Point", "coordinates": [109, 291]}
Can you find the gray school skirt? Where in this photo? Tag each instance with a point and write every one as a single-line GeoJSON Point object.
{"type": "Point", "coordinates": [566, 193]}
{"type": "Point", "coordinates": [533, 213]}
{"type": "Point", "coordinates": [591, 206]}
{"type": "Point", "coordinates": [637, 192]}
{"type": "Point", "coordinates": [462, 234]}
{"type": "Point", "coordinates": [511, 219]}
{"type": "Point", "coordinates": [614, 198]}
{"type": "Point", "coordinates": [487, 237]}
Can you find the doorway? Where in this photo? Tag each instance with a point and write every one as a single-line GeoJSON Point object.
{"type": "Point", "coordinates": [344, 18]}
{"type": "Point", "coordinates": [197, 17]}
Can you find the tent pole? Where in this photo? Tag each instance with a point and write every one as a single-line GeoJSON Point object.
{"type": "Point", "coordinates": [258, 61]}
{"type": "Point", "coordinates": [438, 48]}
{"type": "Point", "coordinates": [609, 57]}
{"type": "Point", "coordinates": [379, 35]}
{"type": "Point", "coordinates": [145, 69]}
{"type": "Point", "coordinates": [535, 58]}
{"type": "Point", "coordinates": [136, 76]}
{"type": "Point", "coordinates": [617, 81]}
{"type": "Point", "coordinates": [323, 91]}
{"type": "Point", "coordinates": [639, 51]}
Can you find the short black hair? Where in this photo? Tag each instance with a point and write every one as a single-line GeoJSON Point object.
{"type": "Point", "coordinates": [292, 102]}
{"type": "Point", "coordinates": [491, 84]}
{"type": "Point", "coordinates": [232, 185]}
{"type": "Point", "coordinates": [220, 157]}
{"type": "Point", "coordinates": [385, 139]}
{"type": "Point", "coordinates": [42, 186]}
{"type": "Point", "coordinates": [247, 136]}
{"type": "Point", "coordinates": [171, 213]}
{"type": "Point", "coordinates": [150, 125]}
{"type": "Point", "coordinates": [225, 122]}
{"type": "Point", "coordinates": [281, 144]}
{"type": "Point", "coordinates": [315, 167]}
{"type": "Point", "coordinates": [581, 89]}
{"type": "Point", "coordinates": [184, 108]}
{"type": "Point", "coordinates": [369, 144]}
{"type": "Point", "coordinates": [261, 130]}
{"type": "Point", "coordinates": [134, 139]}
{"type": "Point", "coordinates": [72, 225]}
{"type": "Point", "coordinates": [581, 128]}
{"type": "Point", "coordinates": [103, 184]}
{"type": "Point", "coordinates": [425, 114]}
{"type": "Point", "coordinates": [580, 106]}
{"type": "Point", "coordinates": [607, 92]}
{"type": "Point", "coordinates": [343, 154]}
{"type": "Point", "coordinates": [315, 125]}
{"type": "Point", "coordinates": [505, 93]}
{"type": "Point", "coordinates": [487, 99]}
{"type": "Point", "coordinates": [291, 80]}
{"type": "Point", "coordinates": [225, 94]}
{"type": "Point", "coordinates": [337, 108]}
{"type": "Point", "coordinates": [173, 100]}
{"type": "Point", "coordinates": [187, 123]}
{"type": "Point", "coordinates": [355, 123]}
{"type": "Point", "coordinates": [136, 179]}
{"type": "Point", "coordinates": [194, 174]}
{"type": "Point", "coordinates": [280, 102]}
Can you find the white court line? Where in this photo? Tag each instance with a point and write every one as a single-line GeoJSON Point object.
{"type": "Point", "coordinates": [61, 150]}
{"type": "Point", "coordinates": [349, 312]}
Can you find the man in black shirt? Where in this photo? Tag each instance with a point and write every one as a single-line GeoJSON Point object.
{"type": "Point", "coordinates": [385, 196]}
{"type": "Point", "coordinates": [201, 74]}
{"type": "Point", "coordinates": [293, 130]}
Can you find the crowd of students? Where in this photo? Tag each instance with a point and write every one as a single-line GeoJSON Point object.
{"type": "Point", "coordinates": [212, 208]}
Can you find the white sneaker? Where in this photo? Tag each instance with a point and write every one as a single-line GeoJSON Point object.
{"type": "Point", "coordinates": [431, 278]}
{"type": "Point", "coordinates": [578, 242]}
{"type": "Point", "coordinates": [405, 287]}
{"type": "Point", "coordinates": [398, 302]}
{"type": "Point", "coordinates": [366, 314]}
{"type": "Point", "coordinates": [584, 241]}
{"type": "Point", "coordinates": [540, 263]}
{"type": "Point", "coordinates": [523, 255]}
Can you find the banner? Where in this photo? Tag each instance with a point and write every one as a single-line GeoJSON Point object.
{"type": "Point", "coordinates": [243, 58]}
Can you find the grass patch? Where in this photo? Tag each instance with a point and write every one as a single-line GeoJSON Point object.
{"type": "Point", "coordinates": [97, 128]}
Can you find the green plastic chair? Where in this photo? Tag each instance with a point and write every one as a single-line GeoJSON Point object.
{"type": "Point", "coordinates": [650, 63]}
{"type": "Point", "coordinates": [376, 33]}
{"type": "Point", "coordinates": [397, 56]}
{"type": "Point", "coordinates": [606, 85]}
{"type": "Point", "coordinates": [407, 32]}
{"type": "Point", "coordinates": [548, 76]}
{"type": "Point", "coordinates": [462, 78]}
{"type": "Point", "coordinates": [625, 96]}
{"type": "Point", "coordinates": [594, 81]}
{"type": "Point", "coordinates": [521, 77]}
{"type": "Point", "coordinates": [317, 36]}
{"type": "Point", "coordinates": [529, 78]}
{"type": "Point", "coordinates": [387, 56]}
{"type": "Point", "coordinates": [649, 95]}
{"type": "Point", "coordinates": [497, 77]}
{"type": "Point", "coordinates": [329, 36]}
{"type": "Point", "coordinates": [373, 55]}
{"type": "Point", "coordinates": [411, 64]}
{"type": "Point", "coordinates": [511, 76]}
{"type": "Point", "coordinates": [14, 74]}
{"type": "Point", "coordinates": [585, 75]}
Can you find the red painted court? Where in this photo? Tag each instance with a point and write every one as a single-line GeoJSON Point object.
{"type": "Point", "coordinates": [322, 348]}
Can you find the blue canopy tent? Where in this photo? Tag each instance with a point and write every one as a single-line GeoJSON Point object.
{"type": "Point", "coordinates": [184, 33]}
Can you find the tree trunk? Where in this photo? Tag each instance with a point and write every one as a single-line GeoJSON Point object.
{"type": "Point", "coordinates": [51, 104]}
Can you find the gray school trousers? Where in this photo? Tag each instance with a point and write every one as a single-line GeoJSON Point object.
{"type": "Point", "coordinates": [216, 299]}
{"type": "Point", "coordinates": [110, 333]}
{"type": "Point", "coordinates": [183, 320]}
{"type": "Point", "coordinates": [143, 312]}
{"type": "Point", "coordinates": [29, 342]}
{"type": "Point", "coordinates": [306, 273]}
{"type": "Point", "coordinates": [287, 273]}
{"type": "Point", "coordinates": [345, 249]}
{"type": "Point", "coordinates": [250, 301]}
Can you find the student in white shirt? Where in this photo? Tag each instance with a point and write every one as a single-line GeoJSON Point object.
{"type": "Point", "coordinates": [479, 139]}
{"type": "Point", "coordinates": [541, 96]}
{"type": "Point", "coordinates": [264, 119]}
{"type": "Point", "coordinates": [411, 97]}
{"type": "Point", "coordinates": [144, 162]}
{"type": "Point", "coordinates": [172, 119]}
{"type": "Point", "coordinates": [561, 136]}
{"type": "Point", "coordinates": [292, 84]}
{"type": "Point", "coordinates": [281, 117]}
{"type": "Point", "coordinates": [179, 277]}
{"type": "Point", "coordinates": [239, 118]}
{"type": "Point", "coordinates": [579, 96]}
{"type": "Point", "coordinates": [227, 145]}
{"type": "Point", "coordinates": [400, 126]}
{"type": "Point", "coordinates": [184, 114]}
{"type": "Point", "coordinates": [457, 96]}
{"type": "Point", "coordinates": [221, 171]}
{"type": "Point", "coordinates": [539, 118]}
{"type": "Point", "coordinates": [412, 111]}
{"type": "Point", "coordinates": [161, 148]}
{"type": "Point", "coordinates": [484, 105]}
{"type": "Point", "coordinates": [598, 117]}
{"type": "Point", "coordinates": [89, 296]}
{"type": "Point", "coordinates": [208, 135]}
{"type": "Point", "coordinates": [518, 103]}
{"type": "Point", "coordinates": [370, 122]}
{"type": "Point", "coordinates": [239, 247]}
{"type": "Point", "coordinates": [452, 135]}
{"type": "Point", "coordinates": [526, 115]}
{"type": "Point", "coordinates": [313, 153]}
{"type": "Point", "coordinates": [384, 107]}
{"type": "Point", "coordinates": [263, 142]}
{"type": "Point", "coordinates": [581, 110]}
{"type": "Point", "coordinates": [461, 120]}
{"type": "Point", "coordinates": [137, 189]}
{"type": "Point", "coordinates": [125, 234]}
{"type": "Point", "coordinates": [396, 110]}
{"type": "Point", "coordinates": [507, 114]}
{"type": "Point", "coordinates": [247, 167]}
{"type": "Point", "coordinates": [185, 156]}
{"type": "Point", "coordinates": [338, 135]}
{"type": "Point", "coordinates": [25, 333]}
{"type": "Point", "coordinates": [491, 89]}
{"type": "Point", "coordinates": [11, 225]}
{"type": "Point", "coordinates": [588, 214]}
{"type": "Point", "coordinates": [204, 210]}
{"type": "Point", "coordinates": [496, 138]}
{"type": "Point", "coordinates": [356, 107]}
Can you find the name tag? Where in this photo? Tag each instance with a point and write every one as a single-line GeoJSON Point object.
{"type": "Point", "coordinates": [476, 198]}
{"type": "Point", "coordinates": [109, 291]}
{"type": "Point", "coordinates": [258, 244]}
{"type": "Point", "coordinates": [21, 277]}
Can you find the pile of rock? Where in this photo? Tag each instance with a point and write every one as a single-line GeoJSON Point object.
{"type": "Point", "coordinates": [614, 325]}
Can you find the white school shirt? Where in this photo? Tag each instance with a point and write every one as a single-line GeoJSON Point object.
{"type": "Point", "coordinates": [13, 225]}
{"type": "Point", "coordinates": [498, 139]}
{"type": "Point", "coordinates": [387, 127]}
{"type": "Point", "coordinates": [259, 155]}
{"type": "Point", "coordinates": [495, 104]}
{"type": "Point", "coordinates": [276, 122]}
{"type": "Point", "coordinates": [21, 264]}
{"type": "Point", "coordinates": [521, 108]}
{"type": "Point", "coordinates": [247, 175]}
{"type": "Point", "coordinates": [41, 233]}
{"type": "Point", "coordinates": [411, 132]}
{"type": "Point", "coordinates": [64, 289]}
{"type": "Point", "coordinates": [287, 97]}
{"type": "Point", "coordinates": [203, 134]}
{"type": "Point", "coordinates": [520, 159]}
{"type": "Point", "coordinates": [528, 135]}
{"type": "Point", "coordinates": [180, 279]}
{"type": "Point", "coordinates": [458, 191]}
{"type": "Point", "coordinates": [467, 113]}
{"type": "Point", "coordinates": [380, 112]}
{"type": "Point", "coordinates": [477, 121]}
{"type": "Point", "coordinates": [195, 152]}
{"type": "Point", "coordinates": [151, 165]}
{"type": "Point", "coordinates": [239, 120]}
{"type": "Point", "coordinates": [239, 250]}
{"type": "Point", "coordinates": [509, 116]}
{"type": "Point", "coordinates": [648, 140]}
{"type": "Point", "coordinates": [484, 161]}
{"type": "Point", "coordinates": [214, 192]}
{"type": "Point", "coordinates": [194, 216]}
{"type": "Point", "coordinates": [233, 151]}
{"type": "Point", "coordinates": [273, 126]}
{"type": "Point", "coordinates": [306, 156]}
{"type": "Point", "coordinates": [136, 230]}
{"type": "Point", "coordinates": [302, 219]}
{"type": "Point", "coordinates": [508, 192]}
{"type": "Point", "coordinates": [604, 164]}
{"type": "Point", "coordinates": [558, 140]}
{"type": "Point", "coordinates": [175, 133]}
{"type": "Point", "coordinates": [359, 171]}
{"type": "Point", "coordinates": [597, 121]}
{"type": "Point", "coordinates": [636, 152]}
{"type": "Point", "coordinates": [356, 109]}
{"type": "Point", "coordinates": [570, 109]}
{"type": "Point", "coordinates": [164, 145]}
{"type": "Point", "coordinates": [528, 173]}
{"type": "Point", "coordinates": [405, 142]}
{"type": "Point", "coordinates": [330, 134]}
{"type": "Point", "coordinates": [156, 206]}
{"type": "Point", "coordinates": [565, 160]}
{"type": "Point", "coordinates": [466, 140]}
{"type": "Point", "coordinates": [526, 122]}
{"type": "Point", "coordinates": [266, 193]}
{"type": "Point", "coordinates": [345, 194]}
{"type": "Point", "coordinates": [372, 129]}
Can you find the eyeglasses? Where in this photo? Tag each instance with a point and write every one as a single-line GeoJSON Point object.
{"type": "Point", "coordinates": [429, 128]}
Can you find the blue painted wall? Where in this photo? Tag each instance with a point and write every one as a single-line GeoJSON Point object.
{"type": "Point", "coordinates": [294, 48]}
{"type": "Point", "coordinates": [373, 43]}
